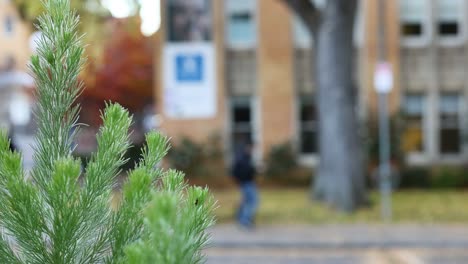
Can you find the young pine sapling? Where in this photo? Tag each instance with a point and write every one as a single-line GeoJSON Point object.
{"type": "Point", "coordinates": [56, 216]}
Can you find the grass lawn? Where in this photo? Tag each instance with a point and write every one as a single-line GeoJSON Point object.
{"type": "Point", "coordinates": [292, 206]}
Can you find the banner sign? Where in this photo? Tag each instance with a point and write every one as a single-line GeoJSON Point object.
{"type": "Point", "coordinates": [189, 81]}
{"type": "Point", "coordinates": [189, 61]}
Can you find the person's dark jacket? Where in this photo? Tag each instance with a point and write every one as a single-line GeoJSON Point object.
{"type": "Point", "coordinates": [243, 169]}
{"type": "Point", "coordinates": [12, 143]}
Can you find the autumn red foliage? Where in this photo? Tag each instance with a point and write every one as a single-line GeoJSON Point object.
{"type": "Point", "coordinates": [123, 74]}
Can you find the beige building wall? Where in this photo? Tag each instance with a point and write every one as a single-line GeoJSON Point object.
{"type": "Point", "coordinates": [14, 54]}
{"type": "Point", "coordinates": [275, 74]}
{"type": "Point", "coordinates": [15, 44]}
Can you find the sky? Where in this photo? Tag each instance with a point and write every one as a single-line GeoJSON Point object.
{"type": "Point", "coordinates": [150, 13]}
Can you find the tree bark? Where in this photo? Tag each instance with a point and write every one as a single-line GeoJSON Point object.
{"type": "Point", "coordinates": [340, 181]}
{"type": "Point", "coordinates": [306, 11]}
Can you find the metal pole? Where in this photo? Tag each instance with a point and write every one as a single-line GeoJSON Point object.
{"type": "Point", "coordinates": [384, 128]}
{"type": "Point", "coordinates": [384, 152]}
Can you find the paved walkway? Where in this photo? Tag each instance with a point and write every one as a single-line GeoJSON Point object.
{"type": "Point", "coordinates": [340, 244]}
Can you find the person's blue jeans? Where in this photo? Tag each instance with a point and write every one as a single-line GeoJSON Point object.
{"type": "Point", "coordinates": [249, 204]}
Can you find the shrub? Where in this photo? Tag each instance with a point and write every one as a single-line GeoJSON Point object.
{"type": "Point", "coordinates": [55, 217]}
{"type": "Point", "coordinates": [281, 159]}
{"type": "Point", "coordinates": [198, 160]}
{"type": "Point", "coordinates": [186, 156]}
{"type": "Point", "coordinates": [449, 177]}
{"type": "Point", "coordinates": [416, 177]}
{"type": "Point", "coordinates": [434, 178]}
{"type": "Point", "coordinates": [282, 168]}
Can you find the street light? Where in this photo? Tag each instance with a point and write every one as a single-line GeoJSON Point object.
{"type": "Point", "coordinates": [20, 110]}
{"type": "Point", "coordinates": [383, 83]}
{"type": "Point", "coordinates": [33, 40]}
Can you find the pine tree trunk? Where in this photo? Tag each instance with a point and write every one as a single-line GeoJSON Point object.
{"type": "Point", "coordinates": [340, 180]}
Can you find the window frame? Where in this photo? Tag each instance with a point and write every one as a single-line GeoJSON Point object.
{"type": "Point", "coordinates": [309, 126]}
{"type": "Point", "coordinates": [426, 28]}
{"type": "Point", "coordinates": [429, 30]}
{"type": "Point", "coordinates": [8, 25]}
{"type": "Point", "coordinates": [246, 45]}
{"type": "Point", "coordinates": [309, 159]}
{"type": "Point", "coordinates": [458, 122]}
{"type": "Point", "coordinates": [299, 30]}
{"type": "Point", "coordinates": [458, 39]}
{"type": "Point", "coordinates": [252, 101]}
{"type": "Point", "coordinates": [423, 115]}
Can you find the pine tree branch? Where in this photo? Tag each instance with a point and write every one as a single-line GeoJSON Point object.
{"type": "Point", "coordinates": [176, 220]}
{"type": "Point", "coordinates": [137, 193]}
{"type": "Point", "coordinates": [56, 218]}
{"type": "Point", "coordinates": [20, 208]}
{"type": "Point", "coordinates": [56, 68]}
{"type": "Point", "coordinates": [113, 143]}
{"type": "Point", "coordinates": [63, 198]}
{"type": "Point", "coordinates": [6, 252]}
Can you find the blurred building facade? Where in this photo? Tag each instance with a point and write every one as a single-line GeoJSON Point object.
{"type": "Point", "coordinates": [427, 45]}
{"type": "Point", "coordinates": [433, 64]}
{"type": "Point", "coordinates": [265, 85]}
{"type": "Point", "coordinates": [14, 55]}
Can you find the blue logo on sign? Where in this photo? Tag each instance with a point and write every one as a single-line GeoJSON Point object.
{"type": "Point", "coordinates": [189, 68]}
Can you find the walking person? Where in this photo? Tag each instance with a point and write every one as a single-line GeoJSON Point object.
{"type": "Point", "coordinates": [243, 171]}
{"type": "Point", "coordinates": [11, 137]}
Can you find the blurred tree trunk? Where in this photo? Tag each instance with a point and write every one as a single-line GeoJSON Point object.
{"type": "Point", "coordinates": [340, 181]}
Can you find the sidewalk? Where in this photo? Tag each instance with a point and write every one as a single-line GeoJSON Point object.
{"type": "Point", "coordinates": [342, 236]}
{"type": "Point", "coordinates": [340, 244]}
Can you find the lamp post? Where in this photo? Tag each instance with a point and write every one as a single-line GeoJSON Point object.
{"type": "Point", "coordinates": [20, 110]}
{"type": "Point", "coordinates": [383, 82]}
{"type": "Point", "coordinates": [33, 39]}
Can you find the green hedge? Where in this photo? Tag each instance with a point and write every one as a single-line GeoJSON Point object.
{"type": "Point", "coordinates": [442, 177]}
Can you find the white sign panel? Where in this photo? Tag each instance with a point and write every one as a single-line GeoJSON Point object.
{"type": "Point", "coordinates": [189, 81]}
{"type": "Point", "coordinates": [383, 77]}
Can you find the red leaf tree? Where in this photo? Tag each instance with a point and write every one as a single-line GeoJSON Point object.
{"type": "Point", "coordinates": [123, 73]}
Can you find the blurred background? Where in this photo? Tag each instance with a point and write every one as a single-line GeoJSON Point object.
{"type": "Point", "coordinates": [289, 75]}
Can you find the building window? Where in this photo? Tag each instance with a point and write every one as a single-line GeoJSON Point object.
{"type": "Point", "coordinates": [9, 24]}
{"type": "Point", "coordinates": [241, 29]}
{"type": "Point", "coordinates": [450, 133]}
{"type": "Point", "coordinates": [189, 21]}
{"type": "Point", "coordinates": [303, 67]}
{"type": "Point", "coordinates": [9, 63]}
{"type": "Point", "coordinates": [241, 71]}
{"type": "Point", "coordinates": [415, 22]}
{"type": "Point", "coordinates": [302, 36]}
{"type": "Point", "coordinates": [307, 124]}
{"type": "Point", "coordinates": [241, 120]}
{"type": "Point", "coordinates": [413, 134]}
{"type": "Point", "coordinates": [450, 20]}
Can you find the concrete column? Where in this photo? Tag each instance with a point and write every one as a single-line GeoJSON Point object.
{"type": "Point", "coordinates": [275, 74]}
